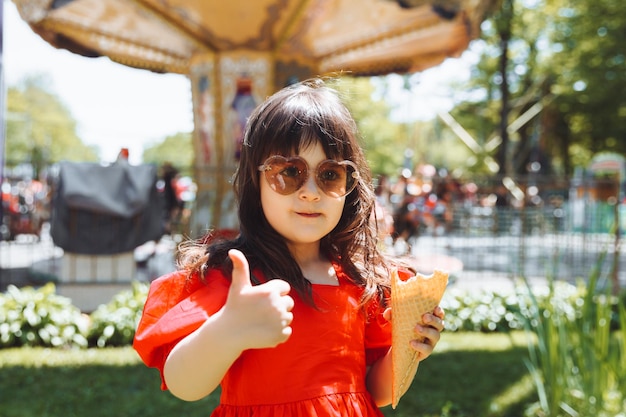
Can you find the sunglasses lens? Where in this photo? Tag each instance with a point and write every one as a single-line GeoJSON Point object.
{"type": "Point", "coordinates": [288, 175]}
{"type": "Point", "coordinates": [285, 176]}
{"type": "Point", "coordinates": [336, 179]}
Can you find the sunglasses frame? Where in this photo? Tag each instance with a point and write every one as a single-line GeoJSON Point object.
{"type": "Point", "coordinates": [266, 167]}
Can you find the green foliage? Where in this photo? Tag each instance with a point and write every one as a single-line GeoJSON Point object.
{"type": "Point", "coordinates": [576, 343]}
{"type": "Point", "coordinates": [442, 148]}
{"type": "Point", "coordinates": [39, 317]}
{"type": "Point", "coordinates": [492, 311]}
{"type": "Point", "coordinates": [577, 363]}
{"type": "Point", "coordinates": [176, 149]}
{"type": "Point", "coordinates": [371, 102]}
{"type": "Point", "coordinates": [480, 311]}
{"type": "Point", "coordinates": [384, 141]}
{"type": "Point", "coordinates": [588, 36]}
{"type": "Point", "coordinates": [565, 56]}
{"type": "Point", "coordinates": [39, 129]}
{"type": "Point", "coordinates": [114, 323]}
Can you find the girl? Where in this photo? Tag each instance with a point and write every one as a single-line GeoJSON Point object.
{"type": "Point", "coordinates": [289, 316]}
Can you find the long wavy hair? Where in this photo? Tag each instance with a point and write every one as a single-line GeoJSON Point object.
{"type": "Point", "coordinates": [292, 119]}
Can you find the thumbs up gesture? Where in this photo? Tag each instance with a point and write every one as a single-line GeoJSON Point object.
{"type": "Point", "coordinates": [261, 314]}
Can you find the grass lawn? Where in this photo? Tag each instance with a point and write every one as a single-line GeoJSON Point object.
{"type": "Point", "coordinates": [469, 375]}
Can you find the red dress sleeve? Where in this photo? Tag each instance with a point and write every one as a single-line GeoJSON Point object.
{"type": "Point", "coordinates": [176, 306]}
{"type": "Point", "coordinates": [377, 333]}
{"type": "Point", "coordinates": [378, 330]}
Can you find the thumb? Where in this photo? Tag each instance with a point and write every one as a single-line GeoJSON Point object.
{"type": "Point", "coordinates": [241, 271]}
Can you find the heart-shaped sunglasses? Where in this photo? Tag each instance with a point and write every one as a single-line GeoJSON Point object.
{"type": "Point", "coordinates": [288, 175]}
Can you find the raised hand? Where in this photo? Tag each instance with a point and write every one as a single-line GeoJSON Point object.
{"type": "Point", "coordinates": [428, 334]}
{"type": "Point", "coordinates": [260, 315]}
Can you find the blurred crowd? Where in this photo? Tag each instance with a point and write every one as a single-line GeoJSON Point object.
{"type": "Point", "coordinates": [424, 202]}
{"type": "Point", "coordinates": [25, 207]}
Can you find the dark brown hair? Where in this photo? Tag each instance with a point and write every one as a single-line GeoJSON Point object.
{"type": "Point", "coordinates": [295, 117]}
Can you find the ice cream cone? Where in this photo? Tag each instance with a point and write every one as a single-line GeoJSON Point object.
{"type": "Point", "coordinates": [410, 300]}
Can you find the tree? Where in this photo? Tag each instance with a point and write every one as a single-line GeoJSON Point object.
{"type": "Point", "coordinates": [383, 141]}
{"type": "Point", "coordinates": [386, 142]}
{"type": "Point", "coordinates": [563, 63]}
{"type": "Point", "coordinates": [504, 86]}
{"type": "Point", "coordinates": [176, 150]}
{"type": "Point", "coordinates": [39, 129]}
{"type": "Point", "coordinates": [589, 75]}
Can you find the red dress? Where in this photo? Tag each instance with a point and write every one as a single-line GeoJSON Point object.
{"type": "Point", "coordinates": [319, 371]}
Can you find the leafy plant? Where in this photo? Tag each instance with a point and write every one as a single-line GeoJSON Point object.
{"type": "Point", "coordinates": [39, 317]}
{"type": "Point", "coordinates": [577, 362]}
{"type": "Point", "coordinates": [480, 311]}
{"type": "Point", "coordinates": [491, 311]}
{"type": "Point", "coordinates": [114, 323]}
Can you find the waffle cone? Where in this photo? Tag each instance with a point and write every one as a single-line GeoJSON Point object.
{"type": "Point", "coordinates": [410, 300]}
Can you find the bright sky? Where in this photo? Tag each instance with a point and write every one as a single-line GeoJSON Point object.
{"type": "Point", "coordinates": [117, 106]}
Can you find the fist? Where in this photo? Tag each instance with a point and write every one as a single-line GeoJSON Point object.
{"type": "Point", "coordinates": [260, 314]}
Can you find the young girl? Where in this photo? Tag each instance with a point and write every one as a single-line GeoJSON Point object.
{"type": "Point", "coordinates": [290, 317]}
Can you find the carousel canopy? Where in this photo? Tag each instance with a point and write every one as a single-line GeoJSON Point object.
{"type": "Point", "coordinates": [363, 37]}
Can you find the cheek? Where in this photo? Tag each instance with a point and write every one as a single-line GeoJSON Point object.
{"type": "Point", "coordinates": [337, 212]}
{"type": "Point", "coordinates": [269, 203]}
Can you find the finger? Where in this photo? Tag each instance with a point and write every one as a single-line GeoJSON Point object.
{"type": "Point", "coordinates": [241, 271]}
{"type": "Point", "coordinates": [427, 335]}
{"type": "Point", "coordinates": [287, 319]}
{"type": "Point", "coordinates": [286, 332]}
{"type": "Point", "coordinates": [422, 348]}
{"type": "Point", "coordinates": [433, 321]}
{"type": "Point", "coordinates": [439, 312]}
{"type": "Point", "coordinates": [387, 314]}
{"type": "Point", "coordinates": [289, 303]}
{"type": "Point", "coordinates": [278, 285]}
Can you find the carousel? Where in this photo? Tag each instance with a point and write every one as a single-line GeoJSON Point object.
{"type": "Point", "coordinates": [238, 52]}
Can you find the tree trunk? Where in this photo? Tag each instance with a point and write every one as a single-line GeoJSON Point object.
{"type": "Point", "coordinates": [504, 31]}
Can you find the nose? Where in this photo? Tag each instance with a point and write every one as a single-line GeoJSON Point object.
{"type": "Point", "coordinates": [309, 190]}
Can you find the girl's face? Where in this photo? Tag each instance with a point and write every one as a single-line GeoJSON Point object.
{"type": "Point", "coordinates": [308, 214]}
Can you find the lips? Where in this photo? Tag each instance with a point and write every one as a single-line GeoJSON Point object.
{"type": "Point", "coordinates": [309, 215]}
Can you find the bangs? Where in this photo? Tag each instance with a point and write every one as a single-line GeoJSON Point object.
{"type": "Point", "coordinates": [302, 122]}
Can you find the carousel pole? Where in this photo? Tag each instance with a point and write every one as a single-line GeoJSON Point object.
{"type": "Point", "coordinates": [225, 89]}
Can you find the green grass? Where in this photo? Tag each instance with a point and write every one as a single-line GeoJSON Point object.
{"type": "Point", "coordinates": [111, 382]}
{"type": "Point", "coordinates": [469, 375]}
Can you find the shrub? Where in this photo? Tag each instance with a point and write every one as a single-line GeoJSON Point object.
{"type": "Point", "coordinates": [480, 311]}
{"type": "Point", "coordinates": [39, 317]}
{"type": "Point", "coordinates": [487, 311]}
{"type": "Point", "coordinates": [114, 324]}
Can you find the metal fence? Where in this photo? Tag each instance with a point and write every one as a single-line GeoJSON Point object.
{"type": "Point", "coordinates": [492, 243]}
{"type": "Point", "coordinates": [567, 242]}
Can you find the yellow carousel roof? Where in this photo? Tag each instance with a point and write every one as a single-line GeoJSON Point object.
{"type": "Point", "coordinates": [363, 37]}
